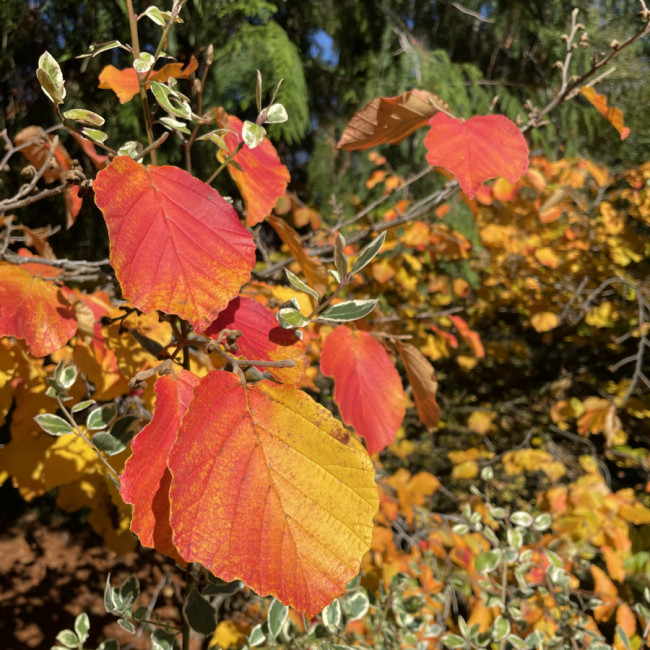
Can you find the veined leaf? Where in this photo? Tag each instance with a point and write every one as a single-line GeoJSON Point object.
{"type": "Point", "coordinates": [368, 253]}
{"type": "Point", "coordinates": [349, 310]}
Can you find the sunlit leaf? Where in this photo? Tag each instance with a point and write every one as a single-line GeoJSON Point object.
{"type": "Point", "coordinates": [367, 387]}
{"type": "Point", "coordinates": [262, 338]}
{"type": "Point", "coordinates": [390, 119]}
{"type": "Point", "coordinates": [176, 244]}
{"type": "Point", "coordinates": [263, 178]}
{"type": "Point", "coordinates": [611, 114]}
{"type": "Point", "coordinates": [604, 590]}
{"type": "Point", "coordinates": [269, 488]}
{"type": "Point", "coordinates": [475, 150]}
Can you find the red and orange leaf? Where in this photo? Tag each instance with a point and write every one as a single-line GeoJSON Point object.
{"type": "Point", "coordinates": [611, 114]}
{"type": "Point", "coordinates": [268, 487]}
{"type": "Point", "coordinates": [605, 590]}
{"type": "Point", "coordinates": [475, 150]}
{"type": "Point", "coordinates": [99, 160]}
{"type": "Point", "coordinates": [263, 178]}
{"type": "Point", "coordinates": [367, 388]}
{"type": "Point", "coordinates": [390, 119]}
{"type": "Point", "coordinates": [315, 272]}
{"type": "Point", "coordinates": [262, 338]}
{"type": "Point", "coordinates": [37, 153]}
{"type": "Point", "coordinates": [124, 83]}
{"type": "Point", "coordinates": [33, 309]}
{"type": "Point", "coordinates": [470, 336]}
{"type": "Point", "coordinates": [176, 245]}
{"type": "Point", "coordinates": [146, 479]}
{"type": "Point", "coordinates": [422, 378]}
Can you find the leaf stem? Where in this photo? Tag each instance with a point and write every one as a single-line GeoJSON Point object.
{"type": "Point", "coordinates": [225, 162]}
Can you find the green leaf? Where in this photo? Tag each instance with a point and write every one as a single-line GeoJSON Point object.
{"type": "Point", "coordinates": [517, 642]}
{"type": "Point", "coordinates": [554, 558]}
{"type": "Point", "coordinates": [165, 95]}
{"type": "Point", "coordinates": [515, 537]}
{"type": "Point", "coordinates": [350, 310]}
{"type": "Point", "coordinates": [94, 50]}
{"type": "Point", "coordinates": [175, 125]}
{"type": "Point", "coordinates": [521, 518]}
{"type": "Point", "coordinates": [335, 275]}
{"type": "Point", "coordinates": [217, 137]}
{"type": "Point", "coordinates": [252, 134]}
{"type": "Point", "coordinates": [83, 116]}
{"type": "Point", "coordinates": [53, 424]}
{"type": "Point", "coordinates": [129, 148]}
{"type": "Point", "coordinates": [101, 417]}
{"type": "Point", "coordinates": [144, 63]}
{"type": "Point", "coordinates": [332, 615]}
{"type": "Point", "coordinates": [276, 617]}
{"type": "Point", "coordinates": [340, 258]}
{"type": "Point", "coordinates": [129, 591]}
{"type": "Point", "coordinates": [297, 283]}
{"type": "Point", "coordinates": [68, 638]}
{"type": "Point", "coordinates": [94, 134]}
{"type": "Point", "coordinates": [223, 588]}
{"type": "Point", "coordinates": [109, 644]}
{"type": "Point", "coordinates": [356, 605]}
{"type": "Point", "coordinates": [453, 641]}
{"type": "Point", "coordinates": [82, 626]}
{"type": "Point", "coordinates": [368, 253]}
{"type": "Point", "coordinates": [543, 521]}
{"type": "Point", "coordinates": [105, 442]}
{"type": "Point", "coordinates": [199, 613]}
{"type": "Point", "coordinates": [154, 14]}
{"type": "Point", "coordinates": [288, 317]}
{"type": "Point", "coordinates": [256, 637]}
{"type": "Point", "coordinates": [109, 596]}
{"type": "Point", "coordinates": [624, 637]}
{"type": "Point", "coordinates": [501, 628]}
{"type": "Point", "coordinates": [161, 640]}
{"type": "Point", "coordinates": [487, 561]}
{"type": "Point", "coordinates": [126, 625]}
{"type": "Point", "coordinates": [65, 375]}
{"type": "Point", "coordinates": [275, 114]}
{"type": "Point", "coordinates": [82, 405]}
{"type": "Point", "coordinates": [50, 77]}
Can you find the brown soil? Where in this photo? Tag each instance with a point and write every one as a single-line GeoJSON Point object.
{"type": "Point", "coordinates": [53, 567]}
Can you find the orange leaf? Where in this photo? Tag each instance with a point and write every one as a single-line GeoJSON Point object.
{"type": "Point", "coordinates": [470, 336]}
{"type": "Point", "coordinates": [124, 83]}
{"type": "Point", "coordinates": [146, 479]}
{"type": "Point", "coordinates": [262, 338]}
{"type": "Point", "coordinates": [422, 378]}
{"type": "Point", "coordinates": [263, 178]}
{"type": "Point", "coordinates": [390, 119]}
{"type": "Point", "coordinates": [604, 590]}
{"type": "Point", "coordinates": [37, 154]}
{"type": "Point", "coordinates": [176, 245]}
{"type": "Point", "coordinates": [99, 160]}
{"type": "Point", "coordinates": [33, 309]}
{"type": "Point", "coordinates": [626, 619]}
{"type": "Point", "coordinates": [483, 147]}
{"type": "Point", "coordinates": [315, 272]}
{"type": "Point", "coordinates": [269, 488]}
{"type": "Point", "coordinates": [611, 114]}
{"type": "Point", "coordinates": [368, 389]}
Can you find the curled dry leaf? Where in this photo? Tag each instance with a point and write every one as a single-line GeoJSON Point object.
{"type": "Point", "coordinates": [611, 114]}
{"type": "Point", "coordinates": [390, 119]}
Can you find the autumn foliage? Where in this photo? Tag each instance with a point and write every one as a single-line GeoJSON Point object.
{"type": "Point", "coordinates": [275, 418]}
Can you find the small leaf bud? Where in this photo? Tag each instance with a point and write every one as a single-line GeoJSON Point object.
{"type": "Point", "coordinates": [615, 44]}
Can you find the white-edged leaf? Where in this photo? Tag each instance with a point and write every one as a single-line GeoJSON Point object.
{"type": "Point", "coordinates": [68, 638]}
{"type": "Point", "coordinates": [98, 48]}
{"type": "Point", "coordinates": [453, 641]}
{"type": "Point", "coordinates": [252, 134]}
{"type": "Point", "coordinates": [258, 92]}
{"type": "Point", "coordinates": [129, 148]}
{"type": "Point", "coordinates": [65, 375]}
{"type": "Point", "coordinates": [50, 77]}
{"type": "Point", "coordinates": [368, 253]}
{"type": "Point", "coordinates": [335, 275]}
{"type": "Point", "coordinates": [82, 405]}
{"type": "Point", "coordinates": [83, 116]}
{"type": "Point", "coordinates": [500, 628]}
{"type": "Point", "coordinates": [487, 561]}
{"type": "Point", "coordinates": [94, 134]}
{"type": "Point", "coordinates": [101, 417]}
{"type": "Point", "coordinates": [288, 317]}
{"type": "Point", "coordinates": [165, 96]}
{"type": "Point", "coordinates": [275, 114]}
{"type": "Point", "coordinates": [82, 626]}
{"type": "Point", "coordinates": [349, 310]}
{"type": "Point", "coordinates": [332, 615]}
{"type": "Point", "coordinates": [340, 258]}
{"type": "Point", "coordinates": [256, 637]}
{"type": "Point", "coordinates": [157, 16]}
{"type": "Point", "coordinates": [175, 125]}
{"type": "Point", "coordinates": [521, 518]}
{"type": "Point", "coordinates": [276, 617]}
{"type": "Point", "coordinates": [543, 521]}
{"type": "Point", "coordinates": [356, 605]}
{"type": "Point", "coordinates": [144, 63]}
{"type": "Point", "coordinates": [53, 424]}
{"type": "Point", "coordinates": [297, 283]}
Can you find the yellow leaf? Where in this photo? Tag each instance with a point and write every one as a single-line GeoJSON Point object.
{"type": "Point", "coordinates": [481, 422]}
{"type": "Point", "coordinates": [547, 257]}
{"type": "Point", "coordinates": [604, 590]}
{"type": "Point", "coordinates": [467, 469]}
{"type": "Point", "coordinates": [227, 635]}
{"type": "Point", "coordinates": [544, 321]}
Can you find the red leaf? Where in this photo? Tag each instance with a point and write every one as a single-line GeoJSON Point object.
{"type": "Point", "coordinates": [146, 479]}
{"type": "Point", "coordinates": [176, 244]}
{"type": "Point", "coordinates": [483, 147]}
{"type": "Point", "coordinates": [368, 388]}
{"type": "Point", "coordinates": [124, 83]}
{"type": "Point", "coordinates": [262, 338]}
{"type": "Point", "coordinates": [34, 309]}
{"type": "Point", "coordinates": [268, 487]}
{"type": "Point", "coordinates": [470, 336]}
{"type": "Point", "coordinates": [390, 119]}
{"type": "Point", "coordinates": [88, 147]}
{"type": "Point", "coordinates": [611, 114]}
{"type": "Point", "coordinates": [263, 178]}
